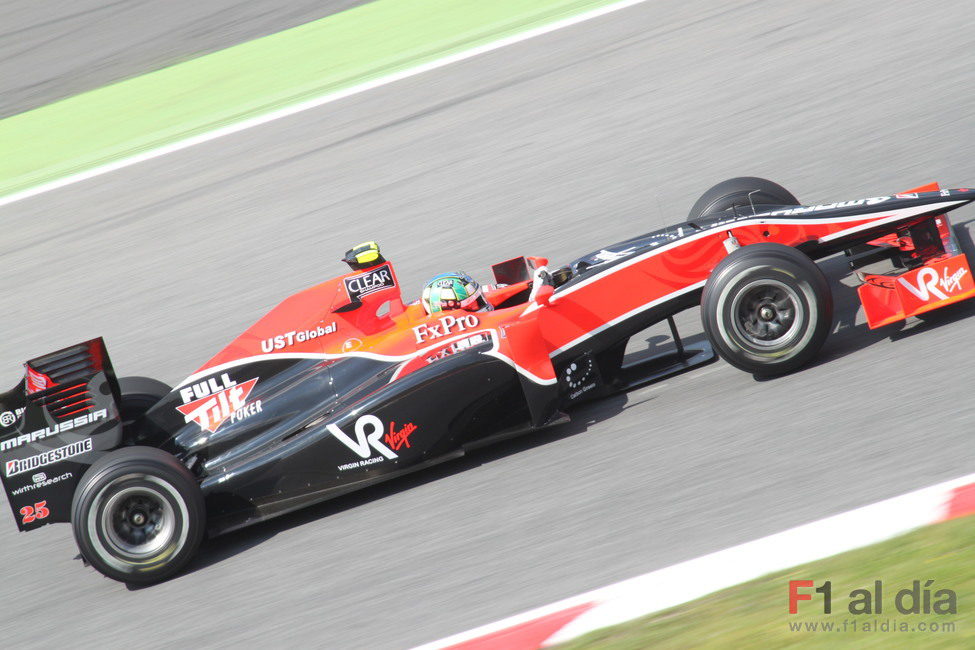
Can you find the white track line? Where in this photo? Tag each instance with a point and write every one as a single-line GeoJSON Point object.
{"type": "Point", "coordinates": [314, 102]}
{"type": "Point", "coordinates": [686, 581]}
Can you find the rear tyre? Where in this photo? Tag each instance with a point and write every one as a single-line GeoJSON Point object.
{"type": "Point", "coordinates": [138, 515]}
{"type": "Point", "coordinates": [735, 192]}
{"type": "Point", "coordinates": [767, 309]}
{"type": "Point", "coordinates": [139, 394]}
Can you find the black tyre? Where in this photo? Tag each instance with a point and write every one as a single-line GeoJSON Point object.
{"type": "Point", "coordinates": [139, 394]}
{"type": "Point", "coordinates": [767, 309]}
{"type": "Point", "coordinates": [138, 515]}
{"type": "Point", "coordinates": [735, 192]}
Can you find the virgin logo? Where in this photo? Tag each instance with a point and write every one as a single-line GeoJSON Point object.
{"type": "Point", "coordinates": [929, 284]}
{"type": "Point", "coordinates": [397, 439]}
{"type": "Point", "coordinates": [952, 282]}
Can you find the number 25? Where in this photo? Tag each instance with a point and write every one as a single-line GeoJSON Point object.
{"type": "Point", "coordinates": [38, 511]}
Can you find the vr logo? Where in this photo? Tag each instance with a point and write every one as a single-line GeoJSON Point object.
{"type": "Point", "coordinates": [364, 440]}
{"type": "Point", "coordinates": [927, 284]}
{"type": "Point", "coordinates": [928, 281]}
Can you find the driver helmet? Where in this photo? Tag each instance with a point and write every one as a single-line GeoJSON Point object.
{"type": "Point", "coordinates": [452, 291]}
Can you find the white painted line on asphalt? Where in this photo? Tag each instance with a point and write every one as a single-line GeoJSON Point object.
{"type": "Point", "coordinates": [687, 581]}
{"type": "Point", "coordinates": [314, 102]}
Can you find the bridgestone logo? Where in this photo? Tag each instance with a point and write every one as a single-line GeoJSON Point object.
{"type": "Point", "coordinates": [50, 457]}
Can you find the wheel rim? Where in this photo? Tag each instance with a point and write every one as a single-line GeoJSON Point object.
{"type": "Point", "coordinates": [767, 313]}
{"type": "Point", "coordinates": [137, 520]}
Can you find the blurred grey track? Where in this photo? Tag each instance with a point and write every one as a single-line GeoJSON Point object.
{"type": "Point", "coordinates": [553, 147]}
{"type": "Point", "coordinates": [56, 48]}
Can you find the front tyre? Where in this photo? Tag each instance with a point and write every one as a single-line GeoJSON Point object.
{"type": "Point", "coordinates": [767, 309]}
{"type": "Point", "coordinates": [138, 515]}
{"type": "Point", "coordinates": [742, 192]}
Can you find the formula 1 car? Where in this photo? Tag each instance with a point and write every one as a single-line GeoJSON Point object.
{"type": "Point", "coordinates": [343, 385]}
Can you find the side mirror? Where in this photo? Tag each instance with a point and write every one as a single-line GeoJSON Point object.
{"type": "Point", "coordinates": [543, 294]}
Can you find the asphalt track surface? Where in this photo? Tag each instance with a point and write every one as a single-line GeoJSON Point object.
{"type": "Point", "coordinates": [53, 49]}
{"type": "Point", "coordinates": [553, 146]}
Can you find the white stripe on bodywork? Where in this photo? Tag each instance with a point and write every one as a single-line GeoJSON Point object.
{"type": "Point", "coordinates": [902, 213]}
{"type": "Point", "coordinates": [905, 213]}
{"type": "Point", "coordinates": [390, 358]}
{"type": "Point", "coordinates": [633, 312]}
{"type": "Point", "coordinates": [893, 215]}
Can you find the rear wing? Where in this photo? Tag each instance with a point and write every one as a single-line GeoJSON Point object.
{"type": "Point", "coordinates": [60, 417]}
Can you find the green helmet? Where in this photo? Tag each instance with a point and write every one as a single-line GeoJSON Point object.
{"type": "Point", "coordinates": [452, 291]}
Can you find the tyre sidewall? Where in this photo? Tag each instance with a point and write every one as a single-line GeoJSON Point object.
{"type": "Point", "coordinates": [140, 468]}
{"type": "Point", "coordinates": [810, 289]}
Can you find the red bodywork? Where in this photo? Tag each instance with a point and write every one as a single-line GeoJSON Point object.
{"type": "Point", "coordinates": [315, 323]}
{"type": "Point", "coordinates": [325, 321]}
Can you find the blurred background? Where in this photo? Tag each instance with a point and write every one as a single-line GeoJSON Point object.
{"type": "Point", "coordinates": [553, 146]}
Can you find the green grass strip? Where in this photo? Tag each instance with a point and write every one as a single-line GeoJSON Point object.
{"type": "Point", "coordinates": [146, 112]}
{"type": "Point", "coordinates": [756, 614]}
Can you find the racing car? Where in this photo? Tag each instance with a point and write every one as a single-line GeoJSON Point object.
{"type": "Point", "coordinates": [345, 384]}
